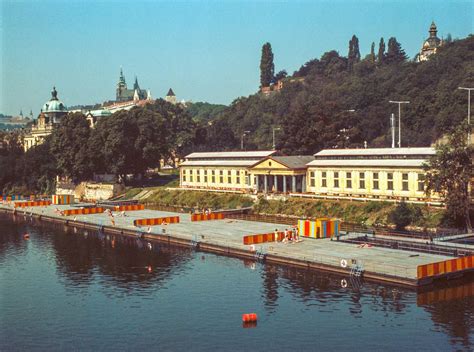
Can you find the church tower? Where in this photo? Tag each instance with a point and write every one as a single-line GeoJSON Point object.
{"type": "Point", "coordinates": [121, 87]}
{"type": "Point", "coordinates": [431, 45]}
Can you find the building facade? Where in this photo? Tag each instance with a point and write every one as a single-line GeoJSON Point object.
{"type": "Point", "coordinates": [378, 173]}
{"type": "Point", "coordinates": [430, 45]}
{"type": "Point", "coordinates": [223, 171]}
{"type": "Point", "coordinates": [391, 174]}
{"type": "Point", "coordinates": [50, 116]}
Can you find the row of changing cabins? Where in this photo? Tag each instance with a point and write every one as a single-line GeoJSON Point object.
{"type": "Point", "coordinates": [317, 228]}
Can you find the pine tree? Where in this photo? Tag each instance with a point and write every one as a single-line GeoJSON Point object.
{"type": "Point", "coordinates": [395, 53]}
{"type": "Point", "coordinates": [372, 53]}
{"type": "Point", "coordinates": [381, 53]}
{"type": "Point", "coordinates": [267, 68]}
{"type": "Point", "coordinates": [354, 53]}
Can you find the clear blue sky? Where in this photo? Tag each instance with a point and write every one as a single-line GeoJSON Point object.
{"type": "Point", "coordinates": [204, 50]}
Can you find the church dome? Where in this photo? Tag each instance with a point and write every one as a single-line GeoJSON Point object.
{"type": "Point", "coordinates": [54, 105]}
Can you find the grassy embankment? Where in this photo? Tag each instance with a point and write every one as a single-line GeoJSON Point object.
{"type": "Point", "coordinates": [368, 213]}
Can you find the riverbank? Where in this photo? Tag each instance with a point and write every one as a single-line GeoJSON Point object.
{"type": "Point", "coordinates": [367, 213]}
{"type": "Point", "coordinates": [225, 237]}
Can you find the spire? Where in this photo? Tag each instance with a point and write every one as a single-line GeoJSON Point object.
{"type": "Point", "coordinates": [31, 114]}
{"type": "Point", "coordinates": [170, 93]}
{"type": "Point", "coordinates": [135, 85]}
{"type": "Point", "coordinates": [122, 77]}
{"type": "Point", "coordinates": [21, 112]}
{"type": "Point", "coordinates": [148, 95]}
{"type": "Point", "coordinates": [433, 30]}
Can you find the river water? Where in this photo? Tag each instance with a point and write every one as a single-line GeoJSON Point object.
{"type": "Point", "coordinates": [81, 290]}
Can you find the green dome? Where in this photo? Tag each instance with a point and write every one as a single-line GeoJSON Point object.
{"type": "Point", "coordinates": [54, 105]}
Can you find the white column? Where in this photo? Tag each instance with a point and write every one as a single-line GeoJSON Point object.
{"type": "Point", "coordinates": [275, 183]}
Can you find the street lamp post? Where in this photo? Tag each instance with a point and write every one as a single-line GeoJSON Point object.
{"type": "Point", "coordinates": [275, 129]}
{"type": "Point", "coordinates": [399, 119]}
{"type": "Point", "coordinates": [242, 139]}
{"type": "Point", "coordinates": [468, 111]}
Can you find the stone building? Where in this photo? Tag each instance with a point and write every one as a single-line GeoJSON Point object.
{"type": "Point", "coordinates": [125, 94]}
{"type": "Point", "coordinates": [51, 114]}
{"type": "Point", "coordinates": [430, 45]}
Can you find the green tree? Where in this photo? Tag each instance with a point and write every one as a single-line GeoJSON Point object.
{"type": "Point", "coordinates": [130, 142]}
{"type": "Point", "coordinates": [449, 173]}
{"type": "Point", "coordinates": [372, 53]}
{"type": "Point", "coordinates": [401, 216]}
{"type": "Point", "coordinates": [69, 143]}
{"type": "Point", "coordinates": [395, 53]}
{"type": "Point", "coordinates": [381, 52]}
{"type": "Point", "coordinates": [280, 75]}
{"type": "Point", "coordinates": [267, 68]}
{"type": "Point", "coordinates": [353, 56]}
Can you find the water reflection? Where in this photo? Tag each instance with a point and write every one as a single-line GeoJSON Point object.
{"type": "Point", "coordinates": [119, 266]}
{"type": "Point", "coordinates": [451, 305]}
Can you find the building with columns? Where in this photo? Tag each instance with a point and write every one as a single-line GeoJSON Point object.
{"type": "Point", "coordinates": [391, 174]}
{"type": "Point", "coordinates": [281, 174]}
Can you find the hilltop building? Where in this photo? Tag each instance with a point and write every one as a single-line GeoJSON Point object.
{"type": "Point", "coordinates": [125, 94]}
{"type": "Point", "coordinates": [51, 114]}
{"type": "Point", "coordinates": [171, 97]}
{"type": "Point", "coordinates": [430, 45]}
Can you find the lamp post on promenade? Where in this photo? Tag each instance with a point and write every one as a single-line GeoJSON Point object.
{"type": "Point", "coordinates": [399, 119]}
{"type": "Point", "coordinates": [242, 139]}
{"type": "Point", "coordinates": [274, 143]}
{"type": "Point", "coordinates": [468, 111]}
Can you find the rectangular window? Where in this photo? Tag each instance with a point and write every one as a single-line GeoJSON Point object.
{"type": "Point", "coordinates": [390, 181]}
{"type": "Point", "coordinates": [198, 176]}
{"type": "Point", "coordinates": [362, 180]}
{"type": "Point", "coordinates": [324, 182]}
{"type": "Point", "coordinates": [237, 177]}
{"type": "Point", "coordinates": [376, 180]}
{"type": "Point", "coordinates": [221, 176]}
{"type": "Point", "coordinates": [191, 175]}
{"type": "Point", "coordinates": [421, 183]}
{"type": "Point", "coordinates": [336, 179]}
{"type": "Point", "coordinates": [229, 179]}
{"type": "Point", "coordinates": [247, 178]}
{"type": "Point", "coordinates": [205, 176]}
{"type": "Point", "coordinates": [348, 180]}
{"type": "Point", "coordinates": [405, 182]}
{"type": "Point", "coordinates": [184, 175]}
{"type": "Point", "coordinates": [213, 176]}
{"type": "Point", "coordinates": [312, 179]}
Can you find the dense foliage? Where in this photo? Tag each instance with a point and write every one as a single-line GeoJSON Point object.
{"type": "Point", "coordinates": [125, 143]}
{"type": "Point", "coordinates": [313, 108]}
{"type": "Point", "coordinates": [449, 173]}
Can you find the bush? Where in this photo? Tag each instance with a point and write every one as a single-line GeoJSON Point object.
{"type": "Point", "coordinates": [401, 216]}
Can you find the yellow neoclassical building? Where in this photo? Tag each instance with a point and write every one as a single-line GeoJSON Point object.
{"type": "Point", "coordinates": [223, 171]}
{"type": "Point", "coordinates": [376, 173]}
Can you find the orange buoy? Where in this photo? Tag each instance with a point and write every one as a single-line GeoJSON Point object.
{"type": "Point", "coordinates": [26, 236]}
{"type": "Point", "coordinates": [149, 268]}
{"type": "Point", "coordinates": [250, 317]}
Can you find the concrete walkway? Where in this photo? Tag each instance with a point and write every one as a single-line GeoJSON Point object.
{"type": "Point", "coordinates": [229, 233]}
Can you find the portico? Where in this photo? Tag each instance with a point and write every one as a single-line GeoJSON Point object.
{"type": "Point", "coordinates": [281, 174]}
